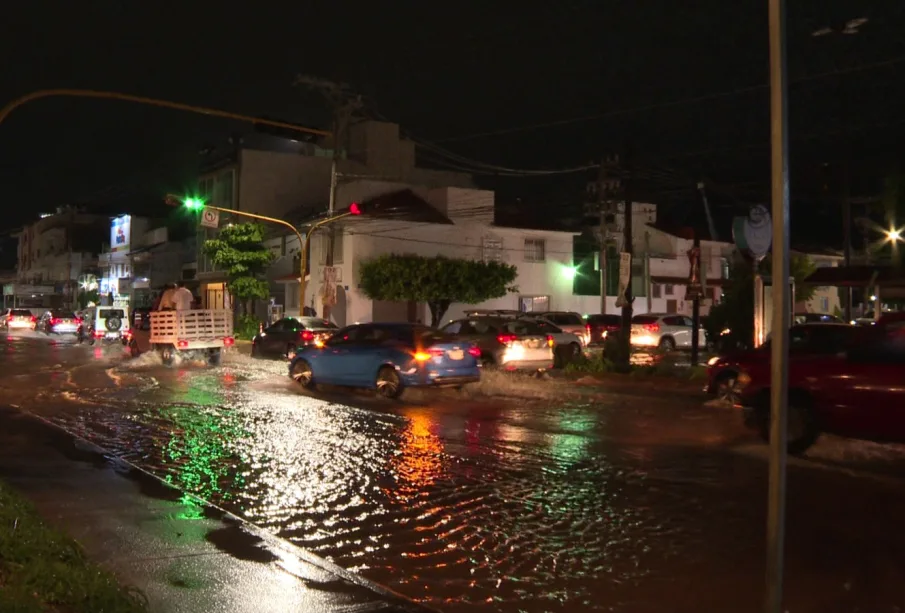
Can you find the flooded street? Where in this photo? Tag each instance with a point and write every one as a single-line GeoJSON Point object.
{"type": "Point", "coordinates": [518, 496]}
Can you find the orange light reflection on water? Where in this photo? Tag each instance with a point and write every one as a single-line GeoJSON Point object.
{"type": "Point", "coordinates": [420, 460]}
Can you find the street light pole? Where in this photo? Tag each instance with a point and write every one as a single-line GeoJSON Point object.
{"type": "Point", "coordinates": [779, 376]}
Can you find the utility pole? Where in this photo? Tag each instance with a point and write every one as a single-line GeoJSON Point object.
{"type": "Point", "coordinates": [606, 185]}
{"type": "Point", "coordinates": [628, 248]}
{"type": "Point", "coordinates": [344, 105]}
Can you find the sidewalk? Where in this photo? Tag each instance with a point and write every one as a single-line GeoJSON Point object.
{"type": "Point", "coordinates": [183, 556]}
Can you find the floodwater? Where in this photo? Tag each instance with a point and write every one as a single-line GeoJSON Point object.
{"type": "Point", "coordinates": [520, 495]}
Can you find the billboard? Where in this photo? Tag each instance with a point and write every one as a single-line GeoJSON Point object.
{"type": "Point", "coordinates": [121, 233]}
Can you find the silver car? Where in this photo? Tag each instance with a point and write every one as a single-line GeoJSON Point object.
{"type": "Point", "coordinates": [505, 342]}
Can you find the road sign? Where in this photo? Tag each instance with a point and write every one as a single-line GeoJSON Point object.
{"type": "Point", "coordinates": [210, 218]}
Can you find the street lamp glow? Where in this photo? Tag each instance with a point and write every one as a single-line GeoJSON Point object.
{"type": "Point", "coordinates": [894, 234]}
{"type": "Point", "coordinates": [569, 272]}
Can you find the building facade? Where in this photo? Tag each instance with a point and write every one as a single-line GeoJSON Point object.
{"type": "Point", "coordinates": [54, 253]}
{"type": "Point", "coordinates": [291, 181]}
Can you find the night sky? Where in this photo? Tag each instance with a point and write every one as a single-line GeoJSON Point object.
{"type": "Point", "coordinates": [682, 83]}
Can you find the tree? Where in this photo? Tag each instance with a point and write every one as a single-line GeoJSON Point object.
{"type": "Point", "coordinates": [736, 311]}
{"type": "Point", "coordinates": [439, 281]}
{"type": "Point", "coordinates": [239, 250]}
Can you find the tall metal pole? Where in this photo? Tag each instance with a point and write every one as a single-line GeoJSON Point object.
{"type": "Point", "coordinates": [628, 247]}
{"type": "Point", "coordinates": [847, 236]}
{"type": "Point", "coordinates": [781, 307]}
{"type": "Point", "coordinates": [602, 209]}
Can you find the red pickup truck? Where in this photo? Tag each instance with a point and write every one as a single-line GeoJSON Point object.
{"type": "Point", "coordinates": [857, 393]}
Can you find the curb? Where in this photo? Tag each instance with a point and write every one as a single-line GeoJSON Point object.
{"type": "Point", "coordinates": [251, 528]}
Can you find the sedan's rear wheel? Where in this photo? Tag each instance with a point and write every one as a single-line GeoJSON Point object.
{"type": "Point", "coordinates": [389, 385]}
{"type": "Point", "coordinates": [301, 373]}
{"type": "Point", "coordinates": [727, 388]}
{"type": "Point", "coordinates": [803, 429]}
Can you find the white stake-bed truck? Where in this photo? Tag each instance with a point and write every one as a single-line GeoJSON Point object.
{"type": "Point", "coordinates": [193, 334]}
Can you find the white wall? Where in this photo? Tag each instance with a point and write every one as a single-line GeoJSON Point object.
{"type": "Point", "coordinates": [365, 239]}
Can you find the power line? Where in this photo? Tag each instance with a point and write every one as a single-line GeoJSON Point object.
{"type": "Point", "coordinates": [671, 103]}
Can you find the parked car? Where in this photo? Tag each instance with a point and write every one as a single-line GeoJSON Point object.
{"type": "Point", "coordinates": [58, 321]}
{"type": "Point", "coordinates": [664, 331]}
{"type": "Point", "coordinates": [857, 393]}
{"type": "Point", "coordinates": [506, 342]}
{"type": "Point", "coordinates": [569, 322]}
{"type": "Point", "coordinates": [814, 318]}
{"type": "Point", "coordinates": [804, 340]}
{"type": "Point", "coordinates": [18, 319]}
{"type": "Point", "coordinates": [567, 346]}
{"type": "Point", "coordinates": [283, 337]}
{"type": "Point", "coordinates": [387, 358]}
{"type": "Point", "coordinates": [602, 326]}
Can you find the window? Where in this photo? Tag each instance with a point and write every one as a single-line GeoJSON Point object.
{"type": "Point", "coordinates": [565, 319]}
{"type": "Point", "coordinates": [668, 289]}
{"type": "Point", "coordinates": [656, 290]}
{"type": "Point", "coordinates": [452, 328]}
{"type": "Point", "coordinates": [492, 250]}
{"type": "Point", "coordinates": [535, 250]}
{"type": "Point", "coordinates": [529, 304]}
{"type": "Point", "coordinates": [292, 296]}
{"type": "Point", "coordinates": [824, 304]}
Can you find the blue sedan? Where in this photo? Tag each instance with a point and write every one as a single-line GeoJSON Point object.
{"type": "Point", "coordinates": [388, 358]}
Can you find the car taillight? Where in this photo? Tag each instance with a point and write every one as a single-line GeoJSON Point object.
{"type": "Point", "coordinates": [651, 327]}
{"type": "Point", "coordinates": [549, 340]}
{"type": "Point", "coordinates": [229, 341]}
{"type": "Point", "coordinates": [587, 328]}
{"type": "Point", "coordinates": [505, 339]}
{"type": "Point", "coordinates": [55, 321]}
{"type": "Point", "coordinates": [474, 352]}
{"type": "Point", "coordinates": [307, 335]}
{"type": "Point", "coordinates": [98, 334]}
{"type": "Point", "coordinates": [33, 319]}
{"type": "Point", "coordinates": [78, 321]}
{"type": "Point", "coordinates": [182, 344]}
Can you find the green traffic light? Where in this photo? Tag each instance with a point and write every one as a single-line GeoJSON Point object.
{"type": "Point", "coordinates": [194, 203]}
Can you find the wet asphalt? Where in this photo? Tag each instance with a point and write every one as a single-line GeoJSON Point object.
{"type": "Point", "coordinates": [519, 495]}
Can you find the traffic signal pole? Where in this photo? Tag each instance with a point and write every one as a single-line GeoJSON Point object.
{"type": "Point", "coordinates": [302, 238]}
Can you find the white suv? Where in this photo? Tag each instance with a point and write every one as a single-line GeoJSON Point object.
{"type": "Point", "coordinates": [665, 331]}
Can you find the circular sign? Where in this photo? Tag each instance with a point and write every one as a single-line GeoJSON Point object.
{"type": "Point", "coordinates": [753, 234]}
{"type": "Point", "coordinates": [209, 216]}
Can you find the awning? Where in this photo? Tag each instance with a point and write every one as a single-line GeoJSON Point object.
{"type": "Point", "coordinates": [857, 276]}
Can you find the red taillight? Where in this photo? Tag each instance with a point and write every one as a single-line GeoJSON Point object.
{"type": "Point", "coordinates": [98, 334]}
{"type": "Point", "coordinates": [33, 319]}
{"type": "Point", "coordinates": [78, 321]}
{"type": "Point", "coordinates": [229, 341]}
{"type": "Point", "coordinates": [307, 335]}
{"type": "Point", "coordinates": [56, 321]}
{"type": "Point", "coordinates": [587, 328]}
{"type": "Point", "coordinates": [651, 327]}
{"type": "Point", "coordinates": [127, 334]}
{"type": "Point", "coordinates": [182, 344]}
{"type": "Point", "coordinates": [550, 342]}
{"type": "Point", "coordinates": [474, 352]}
{"type": "Point", "coordinates": [505, 339]}
{"type": "Point", "coordinates": [436, 352]}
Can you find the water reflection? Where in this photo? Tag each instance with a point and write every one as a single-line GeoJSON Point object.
{"type": "Point", "coordinates": [418, 463]}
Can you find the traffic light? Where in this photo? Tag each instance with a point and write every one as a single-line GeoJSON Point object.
{"type": "Point", "coordinates": [192, 203]}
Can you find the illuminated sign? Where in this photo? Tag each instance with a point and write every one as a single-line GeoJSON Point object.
{"type": "Point", "coordinates": [120, 233]}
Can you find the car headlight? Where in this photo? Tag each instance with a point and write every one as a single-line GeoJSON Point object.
{"type": "Point", "coordinates": [725, 331]}
{"type": "Point", "coordinates": [713, 361]}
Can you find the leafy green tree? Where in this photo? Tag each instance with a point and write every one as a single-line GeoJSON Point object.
{"type": "Point", "coordinates": [736, 311]}
{"type": "Point", "coordinates": [86, 296]}
{"type": "Point", "coordinates": [239, 250]}
{"type": "Point", "coordinates": [439, 281]}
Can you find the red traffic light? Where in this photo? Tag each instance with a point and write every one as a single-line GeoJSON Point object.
{"type": "Point", "coordinates": [354, 209]}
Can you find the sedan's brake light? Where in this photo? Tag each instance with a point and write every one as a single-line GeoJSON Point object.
{"type": "Point", "coordinates": [506, 339]}
{"type": "Point", "coordinates": [651, 327]}
{"type": "Point", "coordinates": [422, 356]}
{"type": "Point", "coordinates": [56, 321]}
{"type": "Point", "coordinates": [437, 352]}
{"type": "Point", "coordinates": [549, 340]}
{"type": "Point", "coordinates": [307, 335]}
{"type": "Point", "coordinates": [474, 352]}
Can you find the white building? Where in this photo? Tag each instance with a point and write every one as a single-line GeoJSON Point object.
{"type": "Point", "coordinates": [291, 181]}
{"type": "Point", "coordinates": [825, 299]}
{"type": "Point", "coordinates": [54, 252]}
{"type": "Point", "coordinates": [449, 221]}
